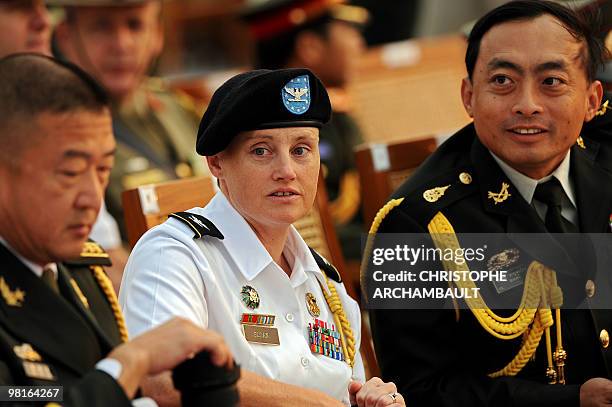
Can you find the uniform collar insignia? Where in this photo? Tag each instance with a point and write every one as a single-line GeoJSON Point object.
{"type": "Point", "coordinates": [13, 298]}
{"type": "Point", "coordinates": [296, 95]}
{"type": "Point", "coordinates": [501, 196]}
{"type": "Point", "coordinates": [604, 108]}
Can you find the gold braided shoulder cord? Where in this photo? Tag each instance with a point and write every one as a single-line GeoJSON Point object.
{"type": "Point", "coordinates": [342, 322]}
{"type": "Point", "coordinates": [108, 290]}
{"type": "Point", "coordinates": [380, 216]}
{"type": "Point", "coordinates": [532, 318]}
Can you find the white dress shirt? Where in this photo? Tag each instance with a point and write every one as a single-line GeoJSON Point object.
{"type": "Point", "coordinates": [106, 231]}
{"type": "Point", "coordinates": [527, 186]}
{"type": "Point", "coordinates": [170, 274]}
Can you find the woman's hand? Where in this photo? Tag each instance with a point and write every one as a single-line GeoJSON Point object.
{"type": "Point", "coordinates": [375, 393]}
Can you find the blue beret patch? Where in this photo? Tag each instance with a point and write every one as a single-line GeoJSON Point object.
{"type": "Point", "coordinates": [296, 95]}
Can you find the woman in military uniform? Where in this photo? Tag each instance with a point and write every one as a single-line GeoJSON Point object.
{"type": "Point", "coordinates": [239, 267]}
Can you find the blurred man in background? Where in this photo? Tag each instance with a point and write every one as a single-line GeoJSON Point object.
{"type": "Point", "coordinates": [25, 26]}
{"type": "Point", "coordinates": [117, 42]}
{"type": "Point", "coordinates": [325, 37]}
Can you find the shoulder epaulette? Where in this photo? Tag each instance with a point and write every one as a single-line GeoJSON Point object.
{"type": "Point", "coordinates": [92, 254]}
{"type": "Point", "coordinates": [328, 268]}
{"type": "Point", "coordinates": [198, 223]}
{"type": "Point", "coordinates": [425, 201]}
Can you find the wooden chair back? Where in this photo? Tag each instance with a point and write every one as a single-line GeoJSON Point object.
{"type": "Point", "coordinates": [150, 205]}
{"type": "Point", "coordinates": [383, 167]}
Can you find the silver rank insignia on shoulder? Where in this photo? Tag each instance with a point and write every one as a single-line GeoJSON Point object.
{"type": "Point", "coordinates": [13, 298]}
{"type": "Point", "coordinates": [296, 95]}
{"type": "Point", "coordinates": [250, 297]}
{"type": "Point", "coordinates": [311, 304]}
{"type": "Point", "coordinates": [501, 196]}
{"type": "Point", "coordinates": [198, 222]}
{"type": "Point", "coordinates": [432, 195]}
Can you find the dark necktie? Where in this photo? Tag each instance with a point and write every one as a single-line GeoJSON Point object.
{"type": "Point", "coordinates": [48, 277]}
{"type": "Point", "coordinates": [552, 194]}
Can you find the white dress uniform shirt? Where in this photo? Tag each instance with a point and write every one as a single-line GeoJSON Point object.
{"type": "Point", "coordinates": [169, 273]}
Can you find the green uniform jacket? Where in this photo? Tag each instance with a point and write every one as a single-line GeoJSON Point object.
{"type": "Point", "coordinates": [155, 136]}
{"type": "Point", "coordinates": [439, 360]}
{"type": "Point", "coordinates": [52, 340]}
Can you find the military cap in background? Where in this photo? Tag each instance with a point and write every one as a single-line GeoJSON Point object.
{"type": "Point", "coordinates": [95, 3]}
{"type": "Point", "coordinates": [262, 99]}
{"type": "Point", "coordinates": [276, 17]}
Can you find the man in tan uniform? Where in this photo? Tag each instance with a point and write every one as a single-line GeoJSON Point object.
{"type": "Point", "coordinates": [116, 41]}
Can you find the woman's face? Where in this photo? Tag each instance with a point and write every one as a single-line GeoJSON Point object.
{"type": "Point", "coordinates": [270, 176]}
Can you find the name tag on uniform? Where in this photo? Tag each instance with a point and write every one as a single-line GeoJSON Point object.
{"type": "Point", "coordinates": [264, 335]}
{"type": "Point", "coordinates": [510, 261]}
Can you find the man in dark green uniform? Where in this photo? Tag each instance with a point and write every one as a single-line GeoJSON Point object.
{"type": "Point", "coordinates": [325, 37]}
{"type": "Point", "coordinates": [116, 42]}
{"type": "Point", "coordinates": [520, 167]}
{"type": "Point", "coordinates": [60, 324]}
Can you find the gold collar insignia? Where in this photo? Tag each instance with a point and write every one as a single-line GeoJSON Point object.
{"type": "Point", "coordinates": [13, 298]}
{"type": "Point", "coordinates": [501, 196]}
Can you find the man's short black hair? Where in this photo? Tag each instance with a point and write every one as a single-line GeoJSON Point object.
{"type": "Point", "coordinates": [32, 84]}
{"type": "Point", "coordinates": [583, 26]}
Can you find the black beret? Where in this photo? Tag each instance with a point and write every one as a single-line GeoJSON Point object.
{"type": "Point", "coordinates": [262, 99]}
